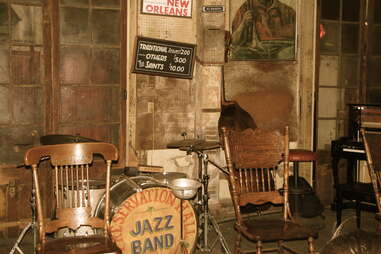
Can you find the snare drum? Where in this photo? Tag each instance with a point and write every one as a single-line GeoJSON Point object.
{"type": "Point", "coordinates": [146, 218]}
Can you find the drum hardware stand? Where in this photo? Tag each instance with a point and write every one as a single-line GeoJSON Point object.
{"type": "Point", "coordinates": [206, 218]}
{"type": "Point", "coordinates": [31, 225]}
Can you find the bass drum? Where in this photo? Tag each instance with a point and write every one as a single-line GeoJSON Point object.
{"type": "Point", "coordinates": [146, 218]}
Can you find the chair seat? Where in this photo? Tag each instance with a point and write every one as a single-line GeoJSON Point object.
{"type": "Point", "coordinates": [274, 230]}
{"type": "Point", "coordinates": [301, 155]}
{"type": "Point", "coordinates": [79, 245]}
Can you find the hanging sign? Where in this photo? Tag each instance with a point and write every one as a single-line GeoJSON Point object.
{"type": "Point", "coordinates": [213, 8]}
{"type": "Point", "coordinates": [164, 58]}
{"type": "Point", "coordinates": [178, 8]}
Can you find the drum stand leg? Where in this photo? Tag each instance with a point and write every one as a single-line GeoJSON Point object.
{"type": "Point", "coordinates": [32, 225]}
{"type": "Point", "coordinates": [207, 219]}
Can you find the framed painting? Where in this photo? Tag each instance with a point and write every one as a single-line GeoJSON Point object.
{"type": "Point", "coordinates": [263, 29]}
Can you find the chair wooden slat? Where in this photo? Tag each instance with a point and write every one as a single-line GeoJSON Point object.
{"type": "Point", "coordinates": [71, 187]}
{"type": "Point", "coordinates": [372, 144]}
{"type": "Point", "coordinates": [258, 153]}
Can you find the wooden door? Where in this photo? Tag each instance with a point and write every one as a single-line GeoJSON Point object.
{"type": "Point", "coordinates": [372, 53]}
{"type": "Point", "coordinates": [89, 76]}
{"type": "Point", "coordinates": [62, 71]}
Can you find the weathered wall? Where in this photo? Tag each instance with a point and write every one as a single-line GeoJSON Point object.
{"type": "Point", "coordinates": [161, 108]}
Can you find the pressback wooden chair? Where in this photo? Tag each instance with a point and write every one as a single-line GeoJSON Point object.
{"type": "Point", "coordinates": [71, 164]}
{"type": "Point", "coordinates": [372, 144]}
{"type": "Point", "coordinates": [253, 157]}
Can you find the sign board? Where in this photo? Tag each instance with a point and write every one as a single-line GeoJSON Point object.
{"type": "Point", "coordinates": [164, 58]}
{"type": "Point", "coordinates": [178, 8]}
{"type": "Point", "coordinates": [213, 8]}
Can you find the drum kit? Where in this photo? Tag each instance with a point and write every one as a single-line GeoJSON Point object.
{"type": "Point", "coordinates": [206, 220]}
{"type": "Point", "coordinates": [157, 213]}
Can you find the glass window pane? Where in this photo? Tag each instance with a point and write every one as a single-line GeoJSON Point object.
{"type": "Point", "coordinates": [376, 41]}
{"type": "Point", "coordinates": [74, 67]}
{"type": "Point", "coordinates": [326, 133]}
{"type": "Point", "coordinates": [349, 71]}
{"type": "Point", "coordinates": [350, 37]}
{"type": "Point", "coordinates": [27, 24]}
{"type": "Point", "coordinates": [4, 29]}
{"type": "Point", "coordinates": [106, 29]}
{"type": "Point", "coordinates": [374, 71]}
{"type": "Point", "coordinates": [328, 101]}
{"type": "Point", "coordinates": [5, 114]}
{"type": "Point", "coordinates": [377, 12]}
{"type": "Point", "coordinates": [374, 96]}
{"type": "Point", "coordinates": [74, 25]}
{"type": "Point", "coordinates": [11, 153]}
{"type": "Point", "coordinates": [328, 70]}
{"type": "Point", "coordinates": [351, 10]}
{"type": "Point", "coordinates": [330, 9]}
{"type": "Point", "coordinates": [106, 3]}
{"type": "Point", "coordinates": [75, 2]}
{"type": "Point", "coordinates": [98, 108]}
{"type": "Point", "coordinates": [28, 105]}
{"type": "Point", "coordinates": [25, 67]}
{"type": "Point", "coordinates": [351, 95]}
{"type": "Point", "coordinates": [105, 68]}
{"type": "Point", "coordinates": [4, 69]}
{"type": "Point", "coordinates": [330, 42]}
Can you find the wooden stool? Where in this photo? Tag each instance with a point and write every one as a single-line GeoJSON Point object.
{"type": "Point", "coordinates": [296, 156]}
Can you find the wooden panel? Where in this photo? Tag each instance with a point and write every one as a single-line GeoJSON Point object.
{"type": "Point", "coordinates": [16, 192]}
{"type": "Point", "coordinates": [5, 115]}
{"type": "Point", "coordinates": [105, 26]}
{"type": "Point", "coordinates": [4, 62]}
{"type": "Point", "coordinates": [105, 67]}
{"type": "Point", "coordinates": [15, 141]}
{"type": "Point", "coordinates": [74, 65]}
{"type": "Point", "coordinates": [74, 26]}
{"type": "Point", "coordinates": [25, 67]}
{"type": "Point", "coordinates": [28, 104]}
{"type": "Point", "coordinates": [96, 104]}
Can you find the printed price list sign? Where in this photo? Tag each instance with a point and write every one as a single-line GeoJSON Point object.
{"type": "Point", "coordinates": [164, 58]}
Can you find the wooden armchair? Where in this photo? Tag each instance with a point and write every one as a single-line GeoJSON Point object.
{"type": "Point", "coordinates": [71, 164]}
{"type": "Point", "coordinates": [253, 157]}
{"type": "Point", "coordinates": [372, 143]}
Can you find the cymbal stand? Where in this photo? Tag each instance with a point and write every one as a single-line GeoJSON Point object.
{"type": "Point", "coordinates": [31, 225]}
{"type": "Point", "coordinates": [206, 218]}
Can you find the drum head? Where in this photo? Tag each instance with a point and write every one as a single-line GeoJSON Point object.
{"type": "Point", "coordinates": [149, 221]}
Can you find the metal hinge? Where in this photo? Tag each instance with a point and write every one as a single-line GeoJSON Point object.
{"type": "Point", "coordinates": [124, 94]}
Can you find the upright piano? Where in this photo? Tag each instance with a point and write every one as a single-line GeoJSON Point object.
{"type": "Point", "coordinates": [351, 147]}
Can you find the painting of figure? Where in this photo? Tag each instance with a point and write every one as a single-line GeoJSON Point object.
{"type": "Point", "coordinates": [263, 29]}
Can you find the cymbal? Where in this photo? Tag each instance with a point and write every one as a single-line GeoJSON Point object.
{"type": "Point", "coordinates": [194, 144]}
{"type": "Point", "coordinates": [55, 139]}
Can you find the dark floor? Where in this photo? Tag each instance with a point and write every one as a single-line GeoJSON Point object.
{"type": "Point", "coordinates": [326, 227]}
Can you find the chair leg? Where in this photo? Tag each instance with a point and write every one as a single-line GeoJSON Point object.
{"type": "Point", "coordinates": [280, 247]}
{"type": "Point", "coordinates": [339, 204]}
{"type": "Point", "coordinates": [259, 247]}
{"type": "Point", "coordinates": [311, 245]}
{"type": "Point", "coordinates": [358, 213]}
{"type": "Point", "coordinates": [237, 249]}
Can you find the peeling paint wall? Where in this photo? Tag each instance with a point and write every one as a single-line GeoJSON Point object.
{"type": "Point", "coordinates": [165, 108]}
